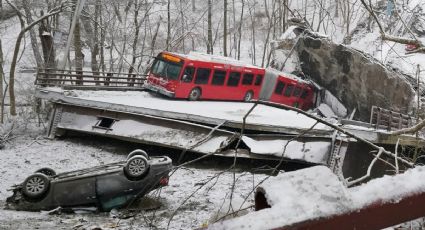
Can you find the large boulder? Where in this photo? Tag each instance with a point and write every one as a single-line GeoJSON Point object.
{"type": "Point", "coordinates": [356, 79]}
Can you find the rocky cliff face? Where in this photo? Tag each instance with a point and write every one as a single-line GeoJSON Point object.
{"type": "Point", "coordinates": [357, 80]}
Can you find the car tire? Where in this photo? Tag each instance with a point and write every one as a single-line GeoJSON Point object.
{"type": "Point", "coordinates": [46, 171]}
{"type": "Point", "coordinates": [248, 96]}
{"type": "Point", "coordinates": [195, 94]}
{"type": "Point", "coordinates": [138, 152]}
{"type": "Point", "coordinates": [136, 167]}
{"type": "Point", "coordinates": [36, 186]}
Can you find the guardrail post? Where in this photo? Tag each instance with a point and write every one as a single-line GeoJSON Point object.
{"type": "Point", "coordinates": [107, 79]}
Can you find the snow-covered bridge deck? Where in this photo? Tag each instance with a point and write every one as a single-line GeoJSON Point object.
{"type": "Point", "coordinates": [262, 118]}
{"type": "Point", "coordinates": [208, 127]}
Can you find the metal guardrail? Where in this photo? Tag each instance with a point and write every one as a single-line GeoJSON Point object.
{"type": "Point", "coordinates": [88, 79]}
{"type": "Point", "coordinates": [382, 118]}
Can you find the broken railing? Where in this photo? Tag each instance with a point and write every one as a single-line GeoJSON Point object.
{"type": "Point", "coordinates": [386, 119]}
{"type": "Point", "coordinates": [88, 79]}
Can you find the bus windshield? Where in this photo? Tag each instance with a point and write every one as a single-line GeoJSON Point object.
{"type": "Point", "coordinates": [166, 69]}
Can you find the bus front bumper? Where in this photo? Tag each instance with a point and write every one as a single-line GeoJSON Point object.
{"type": "Point", "coordinates": [158, 89]}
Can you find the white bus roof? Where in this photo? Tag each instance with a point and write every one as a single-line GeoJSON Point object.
{"type": "Point", "coordinates": [286, 74]}
{"type": "Point", "coordinates": [215, 58]}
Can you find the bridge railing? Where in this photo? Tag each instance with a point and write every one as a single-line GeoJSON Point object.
{"type": "Point", "coordinates": [386, 119]}
{"type": "Point", "coordinates": [89, 79]}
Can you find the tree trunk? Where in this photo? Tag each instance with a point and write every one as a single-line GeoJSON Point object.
{"type": "Point", "coordinates": [251, 14]}
{"type": "Point", "coordinates": [33, 37]}
{"type": "Point", "coordinates": [167, 42]}
{"type": "Point", "coordinates": [95, 45]}
{"type": "Point", "coordinates": [182, 25]}
{"type": "Point", "coordinates": [225, 29]}
{"type": "Point", "coordinates": [15, 55]}
{"type": "Point", "coordinates": [134, 45]}
{"type": "Point", "coordinates": [79, 56]}
{"type": "Point", "coordinates": [154, 39]}
{"type": "Point", "coordinates": [210, 39]}
{"type": "Point", "coordinates": [336, 8]}
{"type": "Point", "coordinates": [92, 34]}
{"type": "Point", "coordinates": [1, 84]}
{"type": "Point", "coordinates": [102, 42]}
{"type": "Point", "coordinates": [46, 38]}
{"type": "Point", "coordinates": [240, 31]}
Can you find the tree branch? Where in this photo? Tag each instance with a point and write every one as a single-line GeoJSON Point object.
{"type": "Point", "coordinates": [387, 37]}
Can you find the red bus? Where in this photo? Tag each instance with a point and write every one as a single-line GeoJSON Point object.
{"type": "Point", "coordinates": [201, 76]}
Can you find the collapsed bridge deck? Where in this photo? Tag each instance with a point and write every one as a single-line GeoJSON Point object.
{"type": "Point", "coordinates": [207, 127]}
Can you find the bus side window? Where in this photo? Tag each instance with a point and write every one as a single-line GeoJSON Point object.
{"type": "Point", "coordinates": [279, 87]}
{"type": "Point", "coordinates": [202, 76]}
{"type": "Point", "coordinates": [288, 90]}
{"type": "Point", "coordinates": [234, 78]}
{"type": "Point", "coordinates": [218, 77]}
{"type": "Point", "coordinates": [304, 94]}
{"type": "Point", "coordinates": [297, 92]}
{"type": "Point", "coordinates": [247, 79]}
{"type": "Point", "coordinates": [258, 79]}
{"type": "Point", "coordinates": [188, 74]}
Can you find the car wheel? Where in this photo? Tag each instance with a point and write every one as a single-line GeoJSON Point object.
{"type": "Point", "coordinates": [46, 171]}
{"type": "Point", "coordinates": [195, 94]}
{"type": "Point", "coordinates": [136, 167]}
{"type": "Point", "coordinates": [248, 96]}
{"type": "Point", "coordinates": [138, 152]}
{"type": "Point", "coordinates": [36, 185]}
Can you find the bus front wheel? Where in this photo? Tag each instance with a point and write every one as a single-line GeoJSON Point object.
{"type": "Point", "coordinates": [195, 94]}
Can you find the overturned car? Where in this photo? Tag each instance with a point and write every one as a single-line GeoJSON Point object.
{"type": "Point", "coordinates": [104, 187]}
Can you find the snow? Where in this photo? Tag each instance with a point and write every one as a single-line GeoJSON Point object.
{"type": "Point", "coordinates": [319, 194]}
{"type": "Point", "coordinates": [289, 33]}
{"type": "Point", "coordinates": [230, 111]}
{"type": "Point", "coordinates": [314, 152]}
{"type": "Point", "coordinates": [390, 188]}
{"type": "Point", "coordinates": [27, 153]}
{"type": "Point", "coordinates": [193, 55]}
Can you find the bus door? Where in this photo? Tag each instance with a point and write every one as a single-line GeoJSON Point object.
{"type": "Point", "coordinates": [186, 81]}
{"type": "Point", "coordinates": [248, 91]}
{"type": "Point", "coordinates": [217, 85]}
{"type": "Point", "coordinates": [233, 90]}
{"type": "Point", "coordinates": [287, 94]}
{"type": "Point", "coordinates": [297, 102]}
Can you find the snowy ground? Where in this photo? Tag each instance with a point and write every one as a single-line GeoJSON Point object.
{"type": "Point", "coordinates": [26, 153]}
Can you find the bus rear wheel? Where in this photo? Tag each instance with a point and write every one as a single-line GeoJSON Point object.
{"type": "Point", "coordinates": [248, 96]}
{"type": "Point", "coordinates": [195, 94]}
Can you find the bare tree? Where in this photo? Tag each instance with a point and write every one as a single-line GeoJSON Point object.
{"type": "Point", "coordinates": [225, 28]}
{"type": "Point", "coordinates": [167, 42]}
{"type": "Point", "coordinates": [137, 24]}
{"type": "Point", "coordinates": [270, 18]}
{"type": "Point", "coordinates": [16, 51]}
{"type": "Point", "coordinates": [33, 37]}
{"type": "Point", "coordinates": [79, 56]}
{"type": "Point", "coordinates": [47, 46]}
{"type": "Point", "coordinates": [240, 30]}
{"type": "Point", "coordinates": [1, 84]}
{"type": "Point", "coordinates": [251, 10]}
{"type": "Point", "coordinates": [92, 33]}
{"type": "Point", "coordinates": [413, 41]}
{"type": "Point", "coordinates": [210, 39]}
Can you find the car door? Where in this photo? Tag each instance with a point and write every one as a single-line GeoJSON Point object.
{"type": "Point", "coordinates": [75, 191]}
